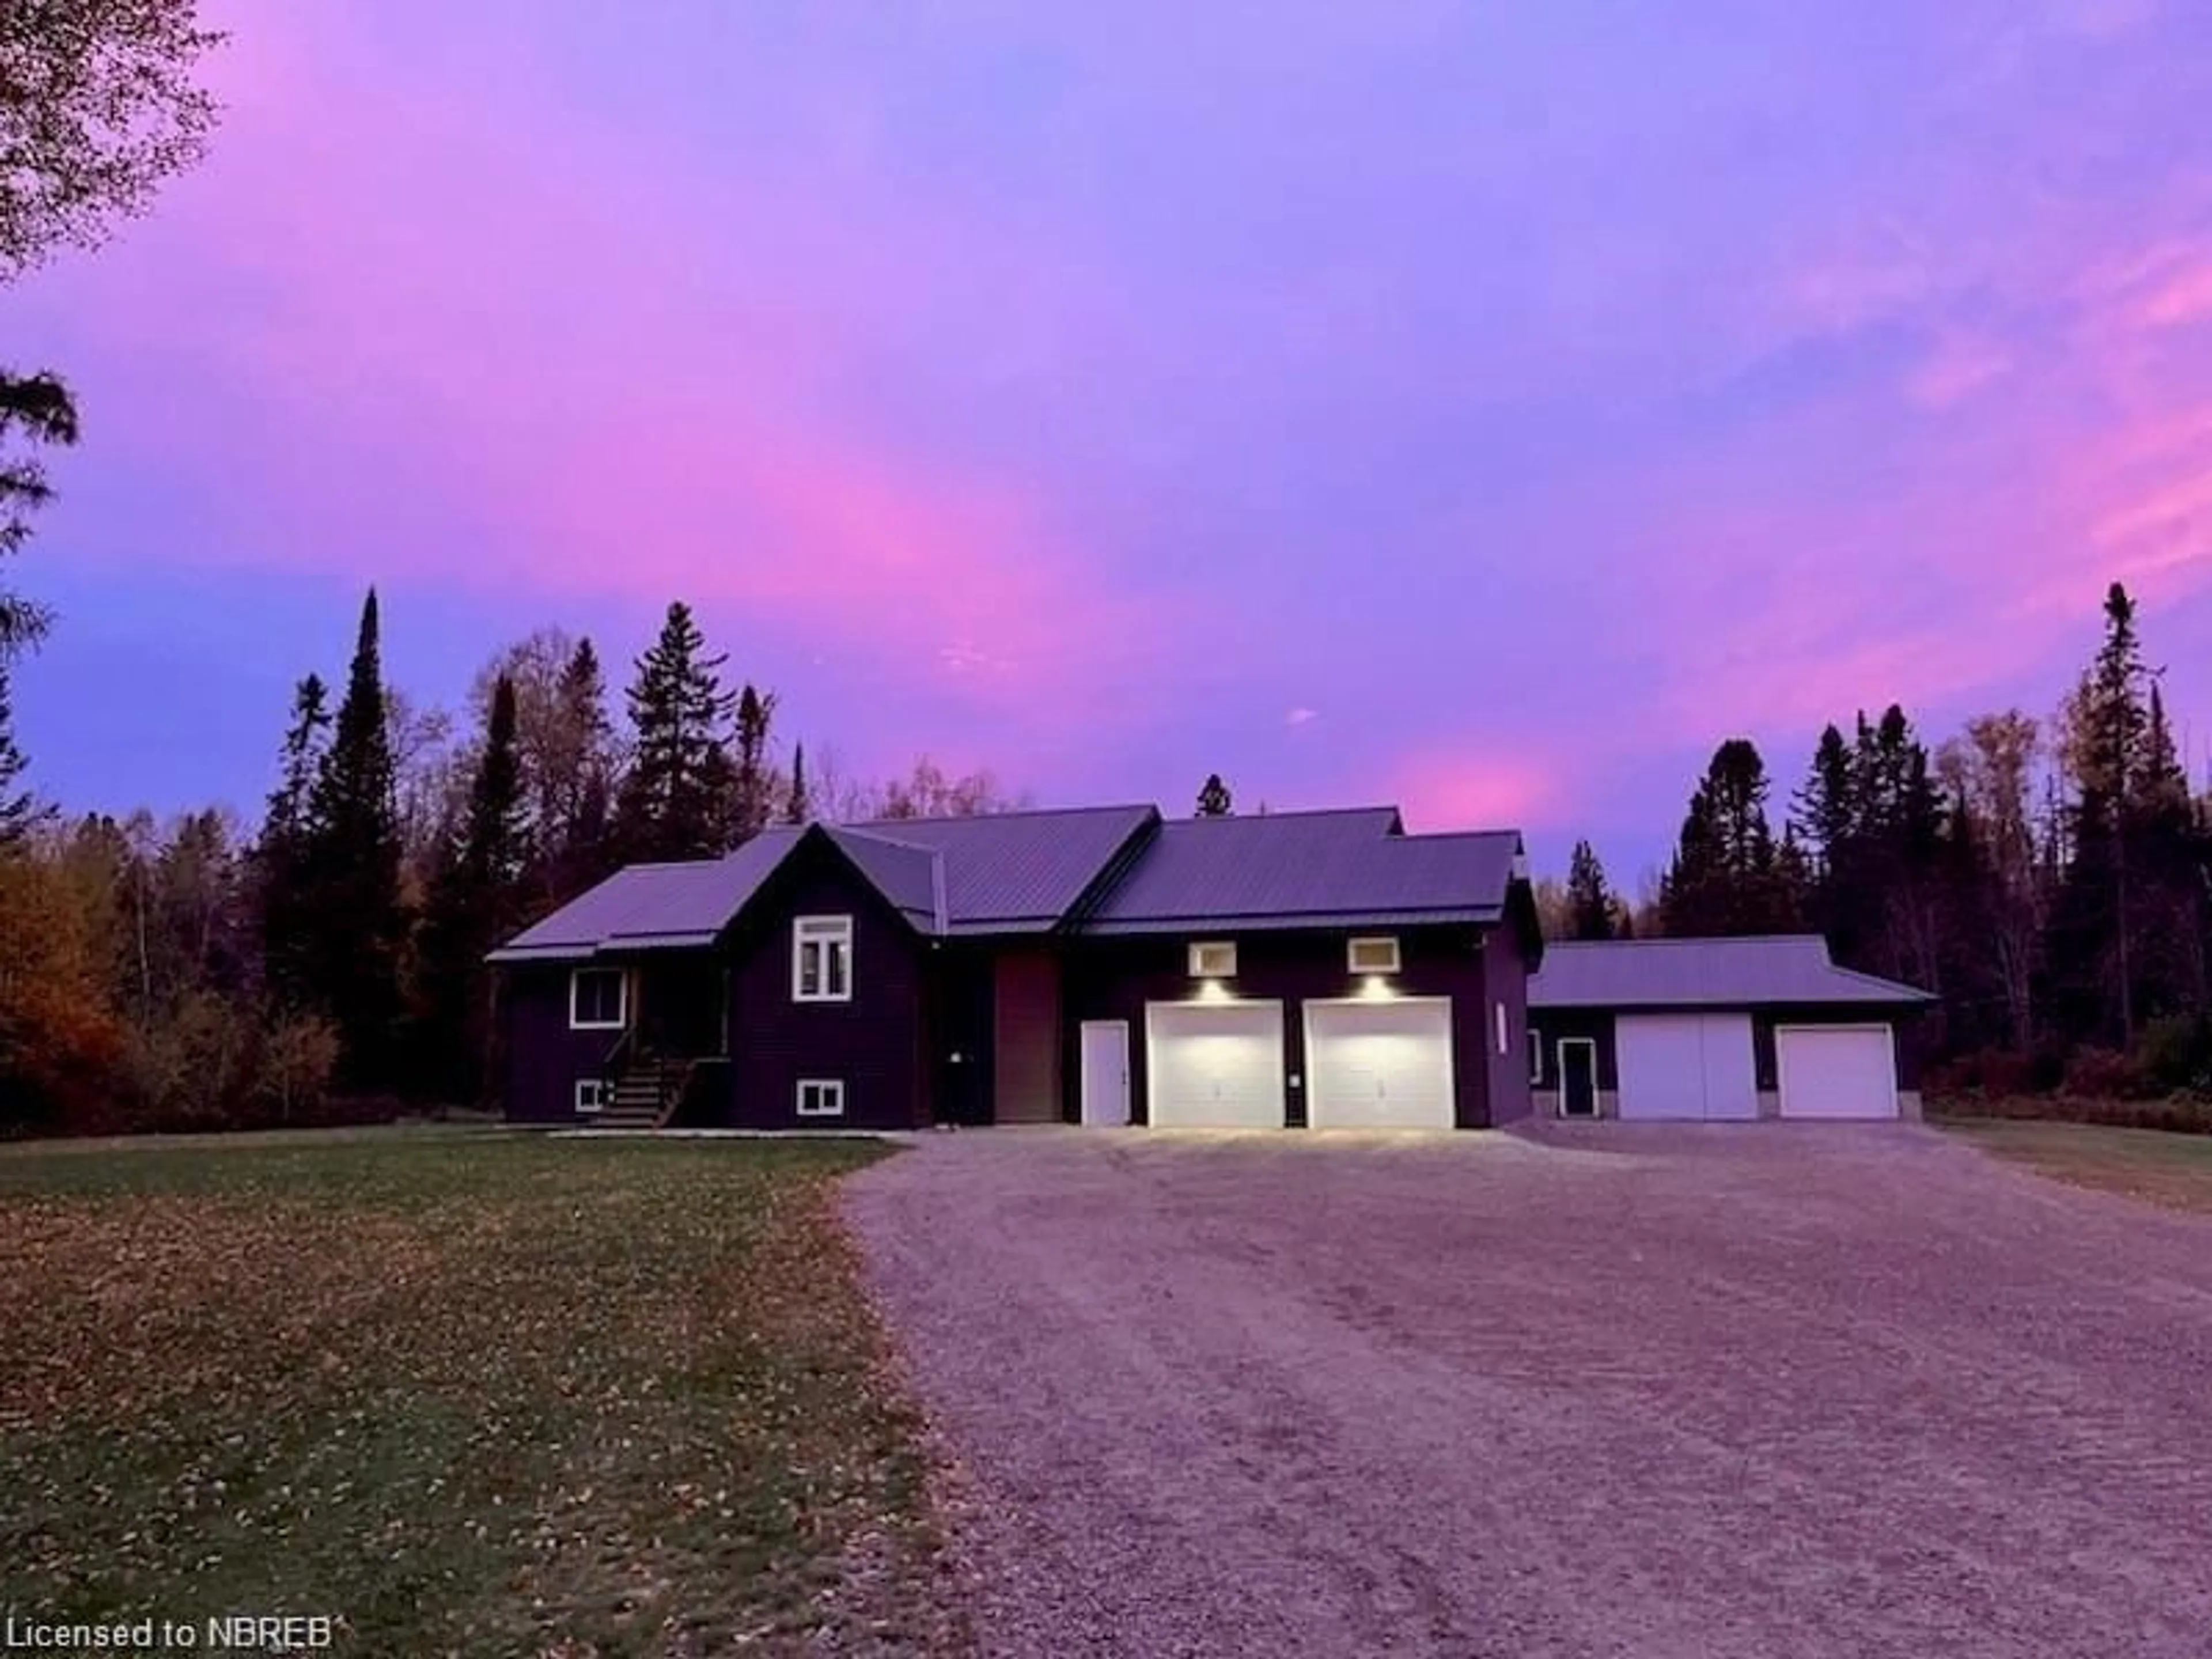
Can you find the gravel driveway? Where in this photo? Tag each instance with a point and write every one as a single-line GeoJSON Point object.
{"type": "Point", "coordinates": [1782, 1392]}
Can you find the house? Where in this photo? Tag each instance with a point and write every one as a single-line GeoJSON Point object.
{"type": "Point", "coordinates": [1719, 1028]}
{"type": "Point", "coordinates": [1098, 965]}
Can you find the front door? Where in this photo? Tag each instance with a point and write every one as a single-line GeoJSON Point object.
{"type": "Point", "coordinates": [1105, 1071]}
{"type": "Point", "coordinates": [1578, 1077]}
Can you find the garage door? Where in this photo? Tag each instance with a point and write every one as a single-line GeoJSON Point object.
{"type": "Point", "coordinates": [1379, 1065]}
{"type": "Point", "coordinates": [1685, 1067]}
{"type": "Point", "coordinates": [1214, 1065]}
{"type": "Point", "coordinates": [1836, 1071]}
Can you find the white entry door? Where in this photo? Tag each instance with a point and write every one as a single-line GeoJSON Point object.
{"type": "Point", "coordinates": [1836, 1071]}
{"type": "Point", "coordinates": [1214, 1065]}
{"type": "Point", "coordinates": [1106, 1071]}
{"type": "Point", "coordinates": [1384, 1065]}
{"type": "Point", "coordinates": [1696, 1067]}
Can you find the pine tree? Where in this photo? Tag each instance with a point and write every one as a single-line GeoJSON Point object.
{"type": "Point", "coordinates": [1213, 798]}
{"type": "Point", "coordinates": [280, 858]}
{"type": "Point", "coordinates": [476, 903]}
{"type": "Point", "coordinates": [1591, 908]}
{"type": "Point", "coordinates": [676, 800]}
{"type": "Point", "coordinates": [1724, 878]}
{"type": "Point", "coordinates": [575, 843]}
{"type": "Point", "coordinates": [359, 927]}
{"type": "Point", "coordinates": [19, 811]}
{"type": "Point", "coordinates": [797, 807]}
{"type": "Point", "coordinates": [755, 782]}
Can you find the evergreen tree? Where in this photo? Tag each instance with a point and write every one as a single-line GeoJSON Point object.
{"type": "Point", "coordinates": [1592, 910]}
{"type": "Point", "coordinates": [1725, 879]}
{"type": "Point", "coordinates": [1213, 798]}
{"type": "Point", "coordinates": [287, 832]}
{"type": "Point", "coordinates": [797, 808]}
{"type": "Point", "coordinates": [676, 800]}
{"type": "Point", "coordinates": [575, 841]}
{"type": "Point", "coordinates": [755, 782]}
{"type": "Point", "coordinates": [358, 927]}
{"type": "Point", "coordinates": [476, 903]}
{"type": "Point", "coordinates": [18, 812]}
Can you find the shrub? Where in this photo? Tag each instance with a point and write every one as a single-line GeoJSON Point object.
{"type": "Point", "coordinates": [2106, 1074]}
{"type": "Point", "coordinates": [2176, 1052]}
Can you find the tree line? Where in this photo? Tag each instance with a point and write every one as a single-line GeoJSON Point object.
{"type": "Point", "coordinates": [329, 960]}
{"type": "Point", "coordinates": [2049, 880]}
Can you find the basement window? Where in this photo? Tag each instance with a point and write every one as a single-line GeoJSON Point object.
{"type": "Point", "coordinates": [1372, 955]}
{"type": "Point", "coordinates": [598, 999]}
{"type": "Point", "coordinates": [820, 1096]}
{"type": "Point", "coordinates": [822, 959]}
{"type": "Point", "coordinates": [1535, 1055]}
{"type": "Point", "coordinates": [1213, 959]}
{"type": "Point", "coordinates": [592, 1094]}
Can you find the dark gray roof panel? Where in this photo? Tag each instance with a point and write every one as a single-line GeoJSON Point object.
{"type": "Point", "coordinates": [1706, 973]}
{"type": "Point", "coordinates": [651, 905]}
{"type": "Point", "coordinates": [1308, 869]}
{"type": "Point", "coordinates": [1017, 871]}
{"type": "Point", "coordinates": [912, 877]}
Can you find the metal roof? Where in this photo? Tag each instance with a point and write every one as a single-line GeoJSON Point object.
{"type": "Point", "coordinates": [654, 906]}
{"type": "Point", "coordinates": [910, 877]}
{"type": "Point", "coordinates": [1018, 871]}
{"type": "Point", "coordinates": [1704, 973]}
{"type": "Point", "coordinates": [1307, 869]}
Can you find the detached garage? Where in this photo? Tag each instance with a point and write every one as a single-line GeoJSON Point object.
{"type": "Point", "coordinates": [1719, 1031]}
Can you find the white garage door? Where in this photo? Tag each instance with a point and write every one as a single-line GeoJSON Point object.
{"type": "Point", "coordinates": [1379, 1065]}
{"type": "Point", "coordinates": [1686, 1065]}
{"type": "Point", "coordinates": [1214, 1065]}
{"type": "Point", "coordinates": [1836, 1071]}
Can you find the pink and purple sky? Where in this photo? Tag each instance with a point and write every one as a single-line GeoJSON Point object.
{"type": "Point", "coordinates": [1485, 408]}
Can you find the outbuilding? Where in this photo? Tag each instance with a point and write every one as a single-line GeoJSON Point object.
{"type": "Point", "coordinates": [1718, 1029]}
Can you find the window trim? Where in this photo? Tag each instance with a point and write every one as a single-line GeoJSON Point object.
{"type": "Point", "coordinates": [622, 1000]}
{"type": "Point", "coordinates": [602, 1096]}
{"type": "Point", "coordinates": [1351, 948]}
{"type": "Point", "coordinates": [830, 1088]}
{"type": "Point", "coordinates": [820, 932]}
{"type": "Point", "coordinates": [1195, 958]}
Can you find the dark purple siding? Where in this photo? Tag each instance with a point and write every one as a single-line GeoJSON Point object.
{"type": "Point", "coordinates": [1597, 1024]}
{"type": "Point", "coordinates": [874, 1044]}
{"type": "Point", "coordinates": [1113, 979]}
{"type": "Point", "coordinates": [544, 1057]}
{"type": "Point", "coordinates": [1506, 980]}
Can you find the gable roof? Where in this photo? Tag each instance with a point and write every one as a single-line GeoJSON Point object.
{"type": "Point", "coordinates": [1706, 973]}
{"type": "Point", "coordinates": [1089, 869]}
{"type": "Point", "coordinates": [1007, 873]}
{"type": "Point", "coordinates": [1283, 870]}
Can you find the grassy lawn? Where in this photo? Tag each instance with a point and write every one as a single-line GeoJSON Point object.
{"type": "Point", "coordinates": [2171, 1169]}
{"type": "Point", "coordinates": [472, 1394]}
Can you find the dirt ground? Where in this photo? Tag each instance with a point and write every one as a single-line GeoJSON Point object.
{"type": "Point", "coordinates": [1804, 1390]}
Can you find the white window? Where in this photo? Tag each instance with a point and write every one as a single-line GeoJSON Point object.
{"type": "Point", "coordinates": [598, 999]}
{"type": "Point", "coordinates": [821, 1096]}
{"type": "Point", "coordinates": [822, 959]}
{"type": "Point", "coordinates": [1373, 955]}
{"type": "Point", "coordinates": [592, 1094]}
{"type": "Point", "coordinates": [1505, 1043]}
{"type": "Point", "coordinates": [1213, 959]}
{"type": "Point", "coordinates": [1535, 1055]}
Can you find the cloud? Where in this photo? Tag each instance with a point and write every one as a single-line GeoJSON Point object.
{"type": "Point", "coordinates": [1300, 716]}
{"type": "Point", "coordinates": [603, 371]}
{"type": "Point", "coordinates": [1959, 367]}
{"type": "Point", "coordinates": [1458, 789]}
